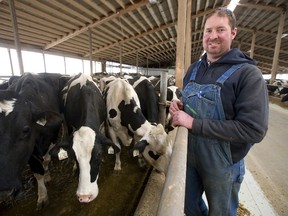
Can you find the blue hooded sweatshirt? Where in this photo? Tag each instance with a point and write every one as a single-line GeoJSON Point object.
{"type": "Point", "coordinates": [245, 102]}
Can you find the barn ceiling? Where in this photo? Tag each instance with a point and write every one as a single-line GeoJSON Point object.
{"type": "Point", "coordinates": [131, 31]}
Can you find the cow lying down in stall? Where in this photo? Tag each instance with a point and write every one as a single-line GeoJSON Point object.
{"type": "Point", "coordinates": [85, 115]}
{"type": "Point", "coordinates": [126, 123]}
{"type": "Point", "coordinates": [29, 122]}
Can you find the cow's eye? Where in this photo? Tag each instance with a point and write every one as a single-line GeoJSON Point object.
{"type": "Point", "coordinates": [25, 132]}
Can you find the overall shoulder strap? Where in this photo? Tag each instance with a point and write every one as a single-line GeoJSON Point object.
{"type": "Point", "coordinates": [194, 71]}
{"type": "Point", "coordinates": [228, 73]}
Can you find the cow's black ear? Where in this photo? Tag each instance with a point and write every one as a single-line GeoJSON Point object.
{"type": "Point", "coordinates": [140, 146]}
{"type": "Point", "coordinates": [54, 151]}
{"type": "Point", "coordinates": [65, 144]}
{"type": "Point", "coordinates": [107, 142]}
{"type": "Point", "coordinates": [48, 118]}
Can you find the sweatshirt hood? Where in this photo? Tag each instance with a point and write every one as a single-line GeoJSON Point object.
{"type": "Point", "coordinates": [234, 56]}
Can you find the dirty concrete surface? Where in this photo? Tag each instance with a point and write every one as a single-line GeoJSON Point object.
{"type": "Point", "coordinates": [119, 192]}
{"type": "Point", "coordinates": [267, 160]}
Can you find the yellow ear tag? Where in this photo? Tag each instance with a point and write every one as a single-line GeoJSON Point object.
{"type": "Point", "coordinates": [62, 154]}
{"type": "Point", "coordinates": [110, 150]}
{"type": "Point", "coordinates": [135, 153]}
{"type": "Point", "coordinates": [42, 122]}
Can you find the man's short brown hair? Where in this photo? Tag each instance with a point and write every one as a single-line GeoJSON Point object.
{"type": "Point", "coordinates": [222, 12]}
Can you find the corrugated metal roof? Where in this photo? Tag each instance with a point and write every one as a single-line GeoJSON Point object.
{"type": "Point", "coordinates": [131, 28]}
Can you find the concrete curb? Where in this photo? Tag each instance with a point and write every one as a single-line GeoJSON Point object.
{"type": "Point", "coordinates": [253, 198]}
{"type": "Point", "coordinates": [250, 196]}
{"type": "Point", "coordinates": [151, 196]}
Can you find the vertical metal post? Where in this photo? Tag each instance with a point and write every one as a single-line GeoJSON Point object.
{"type": "Point", "coordinates": [137, 62]}
{"type": "Point", "coordinates": [239, 45]}
{"type": "Point", "coordinates": [44, 61]}
{"type": "Point", "coordinates": [147, 71]}
{"type": "Point", "coordinates": [120, 44]}
{"type": "Point", "coordinates": [163, 96]}
{"type": "Point", "coordinates": [83, 69]}
{"type": "Point", "coordinates": [16, 35]}
{"type": "Point", "coordinates": [65, 67]}
{"type": "Point", "coordinates": [90, 51]}
{"type": "Point", "coordinates": [253, 44]}
{"type": "Point", "coordinates": [103, 66]}
{"type": "Point", "coordinates": [11, 64]}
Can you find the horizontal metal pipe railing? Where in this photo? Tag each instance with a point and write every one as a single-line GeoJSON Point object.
{"type": "Point", "coordinates": [172, 198]}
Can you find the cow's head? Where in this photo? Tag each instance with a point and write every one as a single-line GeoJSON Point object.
{"type": "Point", "coordinates": [21, 127]}
{"type": "Point", "coordinates": [156, 148]}
{"type": "Point", "coordinates": [87, 147]}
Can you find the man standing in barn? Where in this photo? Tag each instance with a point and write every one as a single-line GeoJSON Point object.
{"type": "Point", "coordinates": [225, 109]}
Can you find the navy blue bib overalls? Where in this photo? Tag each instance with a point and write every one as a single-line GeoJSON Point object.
{"type": "Point", "coordinates": [209, 163]}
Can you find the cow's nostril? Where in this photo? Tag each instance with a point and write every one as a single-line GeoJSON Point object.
{"type": "Point", "coordinates": [84, 198]}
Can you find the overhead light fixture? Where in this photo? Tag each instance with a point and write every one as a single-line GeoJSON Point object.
{"type": "Point", "coordinates": [232, 5]}
{"type": "Point", "coordinates": [153, 1]}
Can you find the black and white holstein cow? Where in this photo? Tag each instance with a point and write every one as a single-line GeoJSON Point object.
{"type": "Point", "coordinates": [85, 116]}
{"type": "Point", "coordinates": [29, 122]}
{"type": "Point", "coordinates": [127, 122]}
{"type": "Point", "coordinates": [283, 93]}
{"type": "Point", "coordinates": [148, 98]}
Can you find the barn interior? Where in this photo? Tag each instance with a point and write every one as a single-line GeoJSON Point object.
{"type": "Point", "coordinates": [164, 34]}
{"type": "Point", "coordinates": [143, 33]}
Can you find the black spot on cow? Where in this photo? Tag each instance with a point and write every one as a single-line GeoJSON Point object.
{"type": "Point", "coordinates": [285, 98]}
{"type": "Point", "coordinates": [152, 155]}
{"type": "Point", "coordinates": [112, 113]}
{"type": "Point", "coordinates": [283, 91]}
{"type": "Point", "coordinates": [130, 116]}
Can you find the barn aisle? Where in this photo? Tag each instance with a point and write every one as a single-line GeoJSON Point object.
{"type": "Point", "coordinates": [267, 161]}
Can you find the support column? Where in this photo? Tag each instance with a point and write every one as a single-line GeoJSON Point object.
{"type": "Point", "coordinates": [181, 32]}
{"type": "Point", "coordinates": [187, 55]}
{"type": "Point", "coordinates": [137, 62]}
{"type": "Point", "coordinates": [277, 47]}
{"type": "Point", "coordinates": [90, 51]}
{"type": "Point", "coordinates": [147, 63]}
{"type": "Point", "coordinates": [44, 61]}
{"type": "Point", "coordinates": [120, 60]}
{"type": "Point", "coordinates": [10, 58]}
{"type": "Point", "coordinates": [103, 66]}
{"type": "Point", "coordinates": [16, 35]}
{"type": "Point", "coordinates": [163, 97]}
{"type": "Point", "coordinates": [65, 66]}
{"type": "Point", "coordinates": [239, 45]}
{"type": "Point", "coordinates": [253, 44]}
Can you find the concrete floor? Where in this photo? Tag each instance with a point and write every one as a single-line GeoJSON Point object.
{"type": "Point", "coordinates": [267, 161]}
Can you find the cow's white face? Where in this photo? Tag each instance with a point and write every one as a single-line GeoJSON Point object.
{"type": "Point", "coordinates": [83, 144]}
{"type": "Point", "coordinates": [156, 148]}
{"type": "Point", "coordinates": [159, 162]}
{"type": "Point", "coordinates": [156, 139]}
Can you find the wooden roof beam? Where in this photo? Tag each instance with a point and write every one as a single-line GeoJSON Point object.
{"type": "Point", "coordinates": [97, 23]}
{"type": "Point", "coordinates": [133, 38]}
{"type": "Point", "coordinates": [261, 6]}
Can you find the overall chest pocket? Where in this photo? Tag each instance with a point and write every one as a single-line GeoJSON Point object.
{"type": "Point", "coordinates": [200, 104]}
